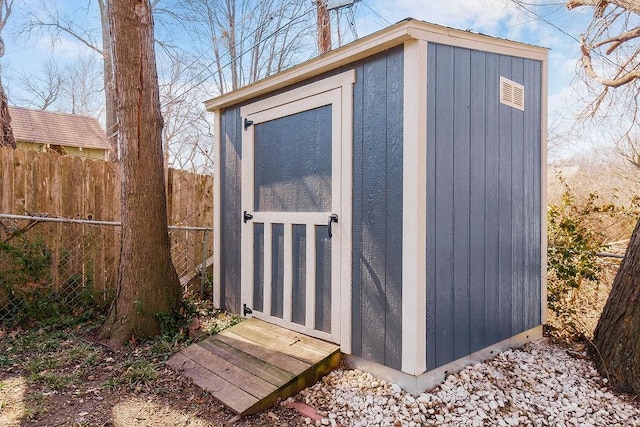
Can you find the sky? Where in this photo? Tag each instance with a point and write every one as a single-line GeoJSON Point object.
{"type": "Point", "coordinates": [544, 23]}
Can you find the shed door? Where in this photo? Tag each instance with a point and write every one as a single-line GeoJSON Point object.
{"type": "Point", "coordinates": [293, 231]}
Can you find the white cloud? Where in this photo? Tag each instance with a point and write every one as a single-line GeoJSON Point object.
{"type": "Point", "coordinates": [479, 16]}
{"type": "Point", "coordinates": [64, 48]}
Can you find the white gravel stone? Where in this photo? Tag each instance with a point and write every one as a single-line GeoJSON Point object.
{"type": "Point", "coordinates": [538, 385]}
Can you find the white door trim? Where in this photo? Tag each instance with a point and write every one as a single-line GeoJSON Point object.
{"type": "Point", "coordinates": [336, 91]}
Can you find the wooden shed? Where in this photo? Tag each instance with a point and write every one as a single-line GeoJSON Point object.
{"type": "Point", "coordinates": [388, 196]}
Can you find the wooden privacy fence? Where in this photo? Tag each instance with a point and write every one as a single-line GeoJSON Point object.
{"type": "Point", "coordinates": [72, 187]}
{"type": "Point", "coordinates": [83, 249]}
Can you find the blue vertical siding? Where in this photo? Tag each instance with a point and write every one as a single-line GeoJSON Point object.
{"type": "Point", "coordinates": [299, 286]}
{"type": "Point", "coordinates": [461, 203]}
{"type": "Point", "coordinates": [477, 196]}
{"type": "Point", "coordinates": [505, 218]}
{"type": "Point", "coordinates": [483, 202]}
{"type": "Point", "coordinates": [231, 198]}
{"type": "Point", "coordinates": [377, 208]}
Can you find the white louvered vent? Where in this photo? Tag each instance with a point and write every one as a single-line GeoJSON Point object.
{"type": "Point", "coordinates": [511, 93]}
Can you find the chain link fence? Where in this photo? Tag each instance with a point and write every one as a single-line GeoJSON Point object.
{"type": "Point", "coordinates": [52, 266]}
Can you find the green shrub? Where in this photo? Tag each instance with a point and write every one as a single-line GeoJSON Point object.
{"type": "Point", "coordinates": [27, 293]}
{"type": "Point", "coordinates": [576, 234]}
{"type": "Point", "coordinates": [572, 247]}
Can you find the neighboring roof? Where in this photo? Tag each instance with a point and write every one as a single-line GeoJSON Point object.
{"type": "Point", "coordinates": [379, 41]}
{"type": "Point", "coordinates": [46, 127]}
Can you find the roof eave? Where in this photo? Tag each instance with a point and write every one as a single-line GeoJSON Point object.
{"type": "Point", "coordinates": [83, 146]}
{"type": "Point", "coordinates": [354, 51]}
{"type": "Point", "coordinates": [370, 45]}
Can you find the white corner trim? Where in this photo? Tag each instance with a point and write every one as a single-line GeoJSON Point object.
{"type": "Point", "coordinates": [543, 189]}
{"type": "Point", "coordinates": [416, 384]}
{"type": "Point", "coordinates": [217, 211]}
{"type": "Point", "coordinates": [346, 175]}
{"type": "Point", "coordinates": [414, 208]}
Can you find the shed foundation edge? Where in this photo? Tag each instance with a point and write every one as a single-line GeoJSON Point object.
{"type": "Point", "coordinates": [416, 384]}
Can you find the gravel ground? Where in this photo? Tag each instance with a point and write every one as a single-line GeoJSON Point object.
{"type": "Point", "coordinates": [540, 384]}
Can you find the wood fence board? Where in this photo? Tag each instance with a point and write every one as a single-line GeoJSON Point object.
{"type": "Point", "coordinates": [4, 177]}
{"type": "Point", "coordinates": [19, 182]}
{"type": "Point", "coordinates": [77, 179]}
{"type": "Point", "coordinates": [32, 183]}
{"type": "Point", "coordinates": [55, 178]}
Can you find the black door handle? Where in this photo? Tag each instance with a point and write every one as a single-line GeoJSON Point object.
{"type": "Point", "coordinates": [246, 217]}
{"type": "Point", "coordinates": [332, 218]}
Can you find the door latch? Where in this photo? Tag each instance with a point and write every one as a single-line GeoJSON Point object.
{"type": "Point", "coordinates": [332, 218]}
{"type": "Point", "coordinates": [246, 216]}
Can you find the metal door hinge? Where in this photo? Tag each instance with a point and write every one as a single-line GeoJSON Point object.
{"type": "Point", "coordinates": [247, 123]}
{"type": "Point", "coordinates": [246, 310]}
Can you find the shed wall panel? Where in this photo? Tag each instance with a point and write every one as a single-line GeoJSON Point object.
{"type": "Point", "coordinates": [491, 208]}
{"type": "Point", "coordinates": [443, 180]}
{"type": "Point", "coordinates": [431, 211]}
{"type": "Point", "coordinates": [517, 213]}
{"type": "Point", "coordinates": [483, 202]}
{"type": "Point", "coordinates": [478, 171]}
{"type": "Point", "coordinates": [461, 207]}
{"type": "Point", "coordinates": [393, 202]}
{"type": "Point", "coordinates": [231, 155]}
{"type": "Point", "coordinates": [532, 195]}
{"type": "Point", "coordinates": [505, 206]}
{"type": "Point", "coordinates": [377, 209]}
{"type": "Point", "coordinates": [372, 212]}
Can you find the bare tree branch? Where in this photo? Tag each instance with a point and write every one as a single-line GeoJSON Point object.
{"type": "Point", "coordinates": [50, 20]}
{"type": "Point", "coordinates": [618, 40]}
{"type": "Point", "coordinates": [5, 11]}
{"type": "Point", "coordinates": [615, 82]}
{"type": "Point", "coordinates": [43, 87]}
{"type": "Point", "coordinates": [600, 5]}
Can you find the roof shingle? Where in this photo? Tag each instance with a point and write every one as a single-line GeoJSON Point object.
{"type": "Point", "coordinates": [46, 127]}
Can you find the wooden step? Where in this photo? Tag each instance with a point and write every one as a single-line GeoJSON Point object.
{"type": "Point", "coordinates": [251, 365]}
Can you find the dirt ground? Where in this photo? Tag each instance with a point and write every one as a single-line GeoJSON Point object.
{"type": "Point", "coordinates": [62, 376]}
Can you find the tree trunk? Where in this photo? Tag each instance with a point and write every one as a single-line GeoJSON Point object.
{"type": "Point", "coordinates": [5, 121]}
{"type": "Point", "coordinates": [617, 336]}
{"type": "Point", "coordinates": [111, 120]}
{"type": "Point", "coordinates": [147, 281]}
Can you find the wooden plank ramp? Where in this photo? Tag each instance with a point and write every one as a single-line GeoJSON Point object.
{"type": "Point", "coordinates": [251, 365]}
